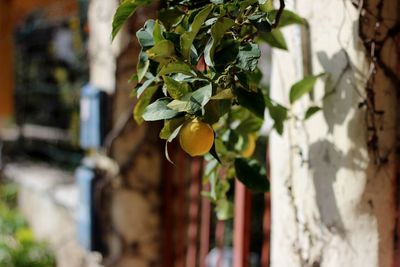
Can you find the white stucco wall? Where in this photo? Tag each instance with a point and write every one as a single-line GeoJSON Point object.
{"type": "Point", "coordinates": [331, 206]}
{"type": "Point", "coordinates": [102, 51]}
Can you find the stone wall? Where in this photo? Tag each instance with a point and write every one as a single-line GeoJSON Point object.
{"type": "Point", "coordinates": [130, 203]}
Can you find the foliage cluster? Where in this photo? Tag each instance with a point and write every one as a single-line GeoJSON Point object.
{"type": "Point", "coordinates": [200, 60]}
{"type": "Point", "coordinates": [18, 247]}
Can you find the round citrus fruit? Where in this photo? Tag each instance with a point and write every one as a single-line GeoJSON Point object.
{"type": "Point", "coordinates": [196, 137]}
{"type": "Point", "coordinates": [248, 151]}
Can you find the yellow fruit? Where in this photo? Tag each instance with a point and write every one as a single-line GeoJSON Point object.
{"type": "Point", "coordinates": [248, 151]}
{"type": "Point", "coordinates": [196, 137]}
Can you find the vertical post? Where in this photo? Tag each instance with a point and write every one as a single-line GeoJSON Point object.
{"type": "Point", "coordinates": [396, 260]}
{"type": "Point", "coordinates": [205, 227]}
{"type": "Point", "coordinates": [267, 231]}
{"type": "Point", "coordinates": [6, 58]}
{"type": "Point", "coordinates": [265, 253]}
{"type": "Point", "coordinates": [180, 218]}
{"type": "Point", "coordinates": [167, 213]}
{"type": "Point", "coordinates": [194, 207]}
{"type": "Point", "coordinates": [219, 240]}
{"type": "Point", "coordinates": [241, 228]}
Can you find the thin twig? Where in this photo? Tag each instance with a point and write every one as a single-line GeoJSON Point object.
{"type": "Point", "coordinates": [279, 13]}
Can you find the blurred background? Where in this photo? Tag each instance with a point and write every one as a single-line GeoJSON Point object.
{"type": "Point", "coordinates": [81, 184]}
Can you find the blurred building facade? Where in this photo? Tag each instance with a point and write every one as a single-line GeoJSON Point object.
{"type": "Point", "coordinates": [147, 214]}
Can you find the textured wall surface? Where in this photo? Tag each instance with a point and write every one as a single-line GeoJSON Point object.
{"type": "Point", "coordinates": [332, 176]}
{"type": "Point", "coordinates": [131, 226]}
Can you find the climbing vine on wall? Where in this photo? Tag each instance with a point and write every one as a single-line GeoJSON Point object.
{"type": "Point", "coordinates": [198, 72]}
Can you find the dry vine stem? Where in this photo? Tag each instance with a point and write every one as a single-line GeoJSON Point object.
{"type": "Point", "coordinates": [279, 13]}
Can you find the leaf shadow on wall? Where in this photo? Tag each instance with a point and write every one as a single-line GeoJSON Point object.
{"type": "Point", "coordinates": [326, 159]}
{"type": "Point", "coordinates": [325, 162]}
{"type": "Point", "coordinates": [340, 90]}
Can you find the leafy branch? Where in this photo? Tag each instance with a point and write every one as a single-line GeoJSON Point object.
{"type": "Point", "coordinates": [198, 72]}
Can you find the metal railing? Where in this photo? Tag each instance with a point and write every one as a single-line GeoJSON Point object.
{"type": "Point", "coordinates": [192, 235]}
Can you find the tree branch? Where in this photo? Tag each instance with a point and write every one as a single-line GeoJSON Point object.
{"type": "Point", "coordinates": [279, 13]}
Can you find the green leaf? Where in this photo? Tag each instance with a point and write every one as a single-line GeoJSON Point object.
{"type": "Point", "coordinates": [248, 57]}
{"type": "Point", "coordinates": [170, 126]}
{"type": "Point", "coordinates": [279, 114]}
{"type": "Point", "coordinates": [266, 5]}
{"type": "Point", "coordinates": [167, 154]}
{"type": "Point", "coordinates": [158, 32]}
{"type": "Point", "coordinates": [202, 95]}
{"type": "Point", "coordinates": [144, 86]}
{"type": "Point", "coordinates": [142, 103]}
{"type": "Point", "coordinates": [174, 88]}
{"type": "Point", "coordinates": [251, 174]}
{"type": "Point", "coordinates": [193, 102]}
{"type": "Point", "coordinates": [124, 11]}
{"type": "Point", "coordinates": [217, 33]}
{"type": "Point", "coordinates": [287, 18]}
{"type": "Point", "coordinates": [303, 87]}
{"type": "Point", "coordinates": [253, 101]}
{"type": "Point", "coordinates": [311, 111]}
{"type": "Point", "coordinates": [177, 67]}
{"type": "Point", "coordinates": [274, 38]}
{"type": "Point", "coordinates": [25, 235]}
{"type": "Point", "coordinates": [212, 177]}
{"type": "Point", "coordinates": [145, 35]}
{"type": "Point", "coordinates": [243, 6]}
{"type": "Point", "coordinates": [142, 66]}
{"type": "Point", "coordinates": [213, 151]}
{"type": "Point", "coordinates": [184, 106]}
{"type": "Point", "coordinates": [170, 17]}
{"type": "Point", "coordinates": [170, 138]}
{"type": "Point", "coordinates": [161, 51]}
{"type": "Point", "coordinates": [224, 209]}
{"type": "Point", "coordinates": [174, 133]}
{"type": "Point", "coordinates": [174, 38]}
{"type": "Point", "coordinates": [133, 78]}
{"type": "Point", "coordinates": [159, 110]}
{"type": "Point", "coordinates": [145, 38]}
{"type": "Point", "coordinates": [250, 79]}
{"type": "Point", "coordinates": [262, 26]}
{"type": "Point", "coordinates": [261, 22]}
{"type": "Point", "coordinates": [188, 37]}
{"type": "Point", "coordinates": [211, 166]}
{"type": "Point", "coordinates": [215, 109]}
{"type": "Point", "coordinates": [226, 54]}
{"type": "Point", "coordinates": [249, 125]}
{"type": "Point", "coordinates": [224, 94]}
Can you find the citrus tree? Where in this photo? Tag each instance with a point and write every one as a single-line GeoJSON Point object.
{"type": "Point", "coordinates": [198, 72]}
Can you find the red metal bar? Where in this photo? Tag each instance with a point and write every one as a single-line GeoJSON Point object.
{"type": "Point", "coordinates": [180, 219]}
{"type": "Point", "coordinates": [241, 228]}
{"type": "Point", "coordinates": [167, 213]}
{"type": "Point", "coordinates": [219, 238]}
{"type": "Point", "coordinates": [205, 227]}
{"type": "Point", "coordinates": [266, 249]}
{"type": "Point", "coordinates": [194, 208]}
{"type": "Point", "coordinates": [396, 261]}
{"type": "Point", "coordinates": [267, 231]}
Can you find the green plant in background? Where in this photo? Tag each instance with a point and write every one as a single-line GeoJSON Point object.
{"type": "Point", "coordinates": [199, 67]}
{"type": "Point", "coordinates": [18, 247]}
